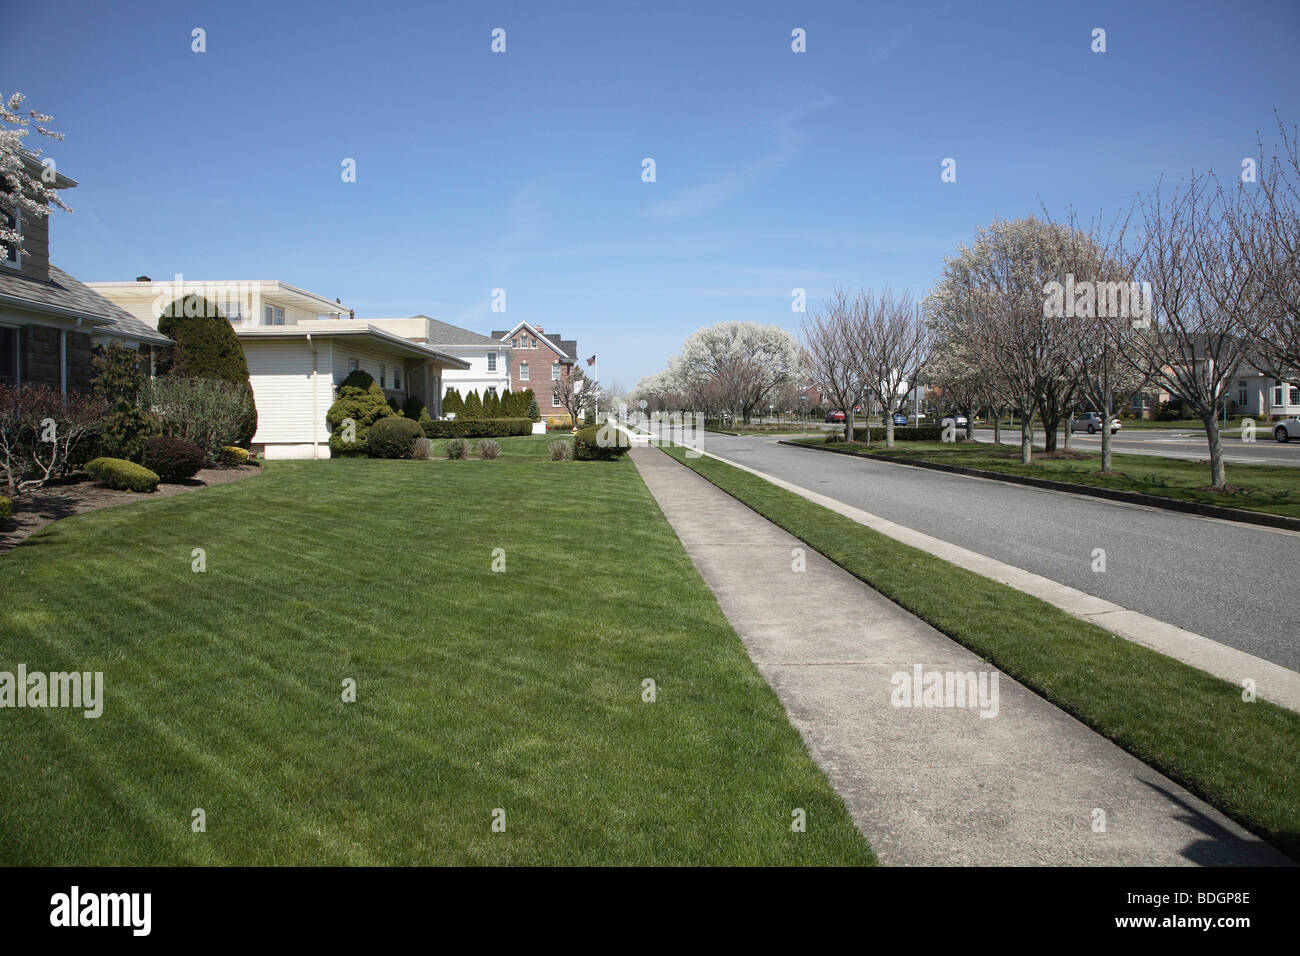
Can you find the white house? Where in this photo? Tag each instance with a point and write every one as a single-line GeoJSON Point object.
{"type": "Point", "coordinates": [1263, 396]}
{"type": "Point", "coordinates": [488, 359]}
{"type": "Point", "coordinates": [295, 358]}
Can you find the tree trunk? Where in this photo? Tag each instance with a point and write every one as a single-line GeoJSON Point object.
{"type": "Point", "coordinates": [1069, 431]}
{"type": "Point", "coordinates": [1217, 470]}
{"type": "Point", "coordinates": [848, 424]}
{"type": "Point", "coordinates": [997, 426]}
{"type": "Point", "coordinates": [1106, 456]}
{"type": "Point", "coordinates": [1026, 436]}
{"type": "Point", "coordinates": [889, 429]}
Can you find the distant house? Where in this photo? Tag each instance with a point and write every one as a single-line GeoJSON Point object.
{"type": "Point", "coordinates": [296, 358]}
{"type": "Point", "coordinates": [1253, 391]}
{"type": "Point", "coordinates": [541, 362]}
{"type": "Point", "coordinates": [50, 322]}
{"type": "Point", "coordinates": [488, 358]}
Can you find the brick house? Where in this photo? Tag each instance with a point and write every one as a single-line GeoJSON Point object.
{"type": "Point", "coordinates": [50, 322]}
{"type": "Point", "coordinates": [540, 361]}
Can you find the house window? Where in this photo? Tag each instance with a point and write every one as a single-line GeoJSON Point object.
{"type": "Point", "coordinates": [514, 343]}
{"type": "Point", "coordinates": [397, 376]}
{"type": "Point", "coordinates": [383, 376]}
{"type": "Point", "coordinates": [492, 361]}
{"type": "Point", "coordinates": [1277, 394]}
{"type": "Point", "coordinates": [523, 371]}
{"type": "Point", "coordinates": [1241, 395]}
{"type": "Point", "coordinates": [234, 313]}
{"type": "Point", "coordinates": [555, 399]}
{"type": "Point", "coordinates": [1295, 395]}
{"type": "Point", "coordinates": [532, 342]}
{"type": "Point", "coordinates": [492, 390]}
{"type": "Point", "coordinates": [11, 256]}
{"type": "Point", "coordinates": [8, 355]}
{"type": "Point", "coordinates": [272, 315]}
{"type": "Point", "coordinates": [555, 371]}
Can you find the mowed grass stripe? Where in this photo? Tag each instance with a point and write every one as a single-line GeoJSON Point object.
{"type": "Point", "coordinates": [476, 690]}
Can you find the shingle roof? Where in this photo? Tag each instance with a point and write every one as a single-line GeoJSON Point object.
{"type": "Point", "coordinates": [64, 293]}
{"type": "Point", "coordinates": [440, 333]}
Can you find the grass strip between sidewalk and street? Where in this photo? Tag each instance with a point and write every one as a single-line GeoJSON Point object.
{"type": "Point", "coordinates": [1195, 728]}
{"type": "Point", "coordinates": [1263, 488]}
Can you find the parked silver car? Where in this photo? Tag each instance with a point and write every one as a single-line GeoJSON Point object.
{"type": "Point", "coordinates": [1287, 429]}
{"type": "Point", "coordinates": [1090, 422]}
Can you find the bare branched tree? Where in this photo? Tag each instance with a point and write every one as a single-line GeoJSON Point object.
{"type": "Point", "coordinates": [890, 343]}
{"type": "Point", "coordinates": [1202, 284]}
{"type": "Point", "coordinates": [828, 357]}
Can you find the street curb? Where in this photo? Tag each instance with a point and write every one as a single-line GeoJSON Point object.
{"type": "Point", "coordinates": [1113, 494]}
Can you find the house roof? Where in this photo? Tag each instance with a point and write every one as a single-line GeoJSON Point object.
{"type": "Point", "coordinates": [359, 330]}
{"type": "Point", "coordinates": [63, 295]}
{"type": "Point", "coordinates": [440, 333]}
{"type": "Point", "coordinates": [568, 348]}
{"type": "Point", "coordinates": [180, 286]}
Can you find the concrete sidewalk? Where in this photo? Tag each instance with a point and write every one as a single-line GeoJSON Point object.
{"type": "Point", "coordinates": [928, 785]}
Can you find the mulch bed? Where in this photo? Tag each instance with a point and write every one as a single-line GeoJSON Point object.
{"type": "Point", "coordinates": [77, 494]}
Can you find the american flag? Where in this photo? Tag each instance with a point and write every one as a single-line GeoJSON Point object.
{"type": "Point", "coordinates": [592, 360]}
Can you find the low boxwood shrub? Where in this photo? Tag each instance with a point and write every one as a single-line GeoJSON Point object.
{"type": "Point", "coordinates": [234, 455]}
{"type": "Point", "coordinates": [6, 509]}
{"type": "Point", "coordinates": [478, 428]}
{"type": "Point", "coordinates": [489, 449]}
{"type": "Point", "coordinates": [599, 443]}
{"type": "Point", "coordinates": [561, 450]}
{"type": "Point", "coordinates": [393, 438]}
{"type": "Point", "coordinates": [122, 475]}
{"type": "Point", "coordinates": [457, 448]}
{"type": "Point", "coordinates": [172, 459]}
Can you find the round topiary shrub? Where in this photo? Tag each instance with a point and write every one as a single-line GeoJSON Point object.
{"type": "Point", "coordinates": [362, 407]}
{"type": "Point", "coordinates": [358, 379]}
{"type": "Point", "coordinates": [172, 459]}
{"type": "Point", "coordinates": [234, 455]}
{"type": "Point", "coordinates": [393, 437]}
{"type": "Point", "coordinates": [599, 443]}
{"type": "Point", "coordinates": [122, 475]}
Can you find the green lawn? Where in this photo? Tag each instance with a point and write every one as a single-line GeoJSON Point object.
{"type": "Point", "coordinates": [1240, 757]}
{"type": "Point", "coordinates": [476, 690]}
{"type": "Point", "coordinates": [1251, 487]}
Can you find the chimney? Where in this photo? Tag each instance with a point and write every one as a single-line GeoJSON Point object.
{"type": "Point", "coordinates": [143, 279]}
{"type": "Point", "coordinates": [540, 330]}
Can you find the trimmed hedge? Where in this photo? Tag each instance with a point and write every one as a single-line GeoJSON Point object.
{"type": "Point", "coordinates": [122, 475]}
{"type": "Point", "coordinates": [393, 438]}
{"type": "Point", "coordinates": [6, 509]}
{"type": "Point", "coordinates": [234, 455]}
{"type": "Point", "coordinates": [478, 428]}
{"type": "Point", "coordinates": [172, 459]}
{"type": "Point", "coordinates": [599, 443]}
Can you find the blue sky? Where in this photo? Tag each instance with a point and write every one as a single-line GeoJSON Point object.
{"type": "Point", "coordinates": [522, 170]}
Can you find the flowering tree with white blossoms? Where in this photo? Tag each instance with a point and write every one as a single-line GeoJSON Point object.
{"type": "Point", "coordinates": [28, 193]}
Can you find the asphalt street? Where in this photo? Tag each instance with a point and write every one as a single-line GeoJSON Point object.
{"type": "Point", "coordinates": [1230, 582]}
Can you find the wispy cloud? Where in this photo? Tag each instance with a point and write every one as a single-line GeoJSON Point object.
{"type": "Point", "coordinates": [789, 140]}
{"type": "Point", "coordinates": [896, 39]}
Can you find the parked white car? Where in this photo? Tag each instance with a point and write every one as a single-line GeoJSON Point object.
{"type": "Point", "coordinates": [1287, 429]}
{"type": "Point", "coordinates": [1090, 422]}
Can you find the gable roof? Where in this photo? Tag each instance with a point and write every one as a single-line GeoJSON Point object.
{"type": "Point", "coordinates": [567, 348]}
{"type": "Point", "coordinates": [64, 295]}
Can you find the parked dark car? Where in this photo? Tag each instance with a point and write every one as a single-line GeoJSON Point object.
{"type": "Point", "coordinates": [835, 416]}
